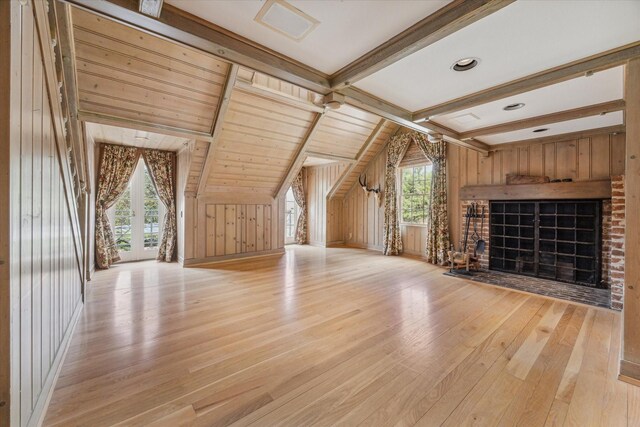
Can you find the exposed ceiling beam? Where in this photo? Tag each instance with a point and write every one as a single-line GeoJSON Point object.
{"type": "Point", "coordinates": [105, 119]}
{"type": "Point", "coordinates": [223, 106]}
{"type": "Point", "coordinates": [447, 20]}
{"type": "Point", "coordinates": [184, 28]}
{"type": "Point", "coordinates": [65, 41]}
{"type": "Point", "coordinates": [562, 137]}
{"type": "Point", "coordinates": [298, 159]}
{"type": "Point", "coordinates": [367, 102]}
{"type": "Point", "coordinates": [151, 7]}
{"type": "Point", "coordinates": [598, 62]}
{"type": "Point", "coordinates": [252, 89]}
{"type": "Point", "coordinates": [363, 150]}
{"type": "Point", "coordinates": [561, 116]}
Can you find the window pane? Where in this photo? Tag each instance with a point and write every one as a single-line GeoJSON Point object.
{"type": "Point", "coordinates": [151, 213]}
{"type": "Point", "coordinates": [122, 223]}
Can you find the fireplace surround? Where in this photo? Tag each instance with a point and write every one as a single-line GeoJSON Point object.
{"type": "Point", "coordinates": [611, 199]}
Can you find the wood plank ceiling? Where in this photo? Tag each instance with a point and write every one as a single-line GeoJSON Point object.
{"type": "Point", "coordinates": [131, 77]}
{"type": "Point", "coordinates": [265, 126]}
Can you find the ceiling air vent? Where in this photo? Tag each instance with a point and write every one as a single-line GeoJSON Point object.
{"type": "Point", "coordinates": [280, 16]}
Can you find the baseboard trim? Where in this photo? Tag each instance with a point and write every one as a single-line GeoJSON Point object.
{"type": "Point", "coordinates": [197, 262]}
{"type": "Point", "coordinates": [361, 246]}
{"type": "Point", "coordinates": [629, 372]}
{"type": "Point", "coordinates": [336, 244]}
{"type": "Point", "coordinates": [42, 404]}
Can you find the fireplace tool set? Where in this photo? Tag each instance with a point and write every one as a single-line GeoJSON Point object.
{"type": "Point", "coordinates": [462, 259]}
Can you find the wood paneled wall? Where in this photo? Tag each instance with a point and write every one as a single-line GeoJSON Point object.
{"type": "Point", "coordinates": [221, 227]}
{"type": "Point", "coordinates": [364, 218]}
{"type": "Point", "coordinates": [6, 54]}
{"type": "Point", "coordinates": [324, 224]}
{"type": "Point", "coordinates": [595, 157]}
{"type": "Point", "coordinates": [591, 158]}
{"type": "Point", "coordinates": [45, 269]}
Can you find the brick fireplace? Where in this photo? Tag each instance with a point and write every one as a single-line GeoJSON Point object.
{"type": "Point", "coordinates": [611, 245]}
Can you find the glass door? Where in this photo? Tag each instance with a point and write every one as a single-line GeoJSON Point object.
{"type": "Point", "coordinates": [291, 218]}
{"type": "Point", "coordinates": [137, 217]}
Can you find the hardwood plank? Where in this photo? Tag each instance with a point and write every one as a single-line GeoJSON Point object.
{"type": "Point", "coordinates": [326, 337]}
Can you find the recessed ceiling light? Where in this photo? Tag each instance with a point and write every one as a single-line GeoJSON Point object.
{"type": "Point", "coordinates": [541, 130]}
{"type": "Point", "coordinates": [465, 64]}
{"type": "Point", "coordinates": [512, 107]}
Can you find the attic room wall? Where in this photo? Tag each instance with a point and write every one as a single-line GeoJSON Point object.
{"type": "Point", "coordinates": [324, 224]}
{"type": "Point", "coordinates": [363, 217]}
{"type": "Point", "coordinates": [593, 157]}
{"type": "Point", "coordinates": [46, 266]}
{"type": "Point", "coordinates": [223, 227]}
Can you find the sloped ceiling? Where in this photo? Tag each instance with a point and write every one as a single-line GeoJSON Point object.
{"type": "Point", "coordinates": [133, 78]}
{"type": "Point", "coordinates": [266, 126]}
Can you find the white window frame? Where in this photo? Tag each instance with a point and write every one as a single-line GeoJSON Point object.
{"type": "Point", "coordinates": [138, 252]}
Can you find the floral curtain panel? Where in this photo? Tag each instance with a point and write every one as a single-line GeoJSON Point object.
{"type": "Point", "coordinates": [117, 164]}
{"type": "Point", "coordinates": [392, 241]}
{"type": "Point", "coordinates": [161, 168]}
{"type": "Point", "coordinates": [438, 241]}
{"type": "Point", "coordinates": [297, 187]}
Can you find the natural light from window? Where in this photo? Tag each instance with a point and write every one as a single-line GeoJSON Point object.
{"type": "Point", "coordinates": [414, 200]}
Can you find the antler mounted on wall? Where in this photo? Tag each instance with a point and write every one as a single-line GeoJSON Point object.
{"type": "Point", "coordinates": [377, 193]}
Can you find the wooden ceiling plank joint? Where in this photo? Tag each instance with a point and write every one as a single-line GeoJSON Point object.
{"type": "Point", "coordinates": [225, 99]}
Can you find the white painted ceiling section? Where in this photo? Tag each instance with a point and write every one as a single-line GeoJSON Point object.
{"type": "Point", "coordinates": [317, 161]}
{"type": "Point", "coordinates": [521, 39]}
{"type": "Point", "coordinates": [347, 29]}
{"type": "Point", "coordinates": [601, 87]}
{"type": "Point", "coordinates": [135, 138]}
{"type": "Point", "coordinates": [585, 123]}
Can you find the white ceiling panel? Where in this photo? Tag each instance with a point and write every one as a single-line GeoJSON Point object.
{"type": "Point", "coordinates": [135, 138]}
{"type": "Point", "coordinates": [576, 125]}
{"type": "Point", "coordinates": [347, 29]}
{"type": "Point", "coordinates": [317, 161]}
{"type": "Point", "coordinates": [521, 39]}
{"type": "Point", "coordinates": [601, 87]}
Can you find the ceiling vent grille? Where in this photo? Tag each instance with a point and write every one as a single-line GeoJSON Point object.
{"type": "Point", "coordinates": [287, 20]}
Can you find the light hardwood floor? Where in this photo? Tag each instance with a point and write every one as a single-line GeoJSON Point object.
{"type": "Point", "coordinates": [335, 337]}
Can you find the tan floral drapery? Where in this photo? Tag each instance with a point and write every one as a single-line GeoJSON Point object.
{"type": "Point", "coordinates": [438, 241]}
{"type": "Point", "coordinates": [297, 187]}
{"type": "Point", "coordinates": [161, 166]}
{"type": "Point", "coordinates": [117, 164]}
{"type": "Point", "coordinates": [392, 241]}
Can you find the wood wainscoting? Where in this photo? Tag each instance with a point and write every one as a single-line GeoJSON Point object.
{"type": "Point", "coordinates": [41, 268]}
{"type": "Point", "coordinates": [335, 337]}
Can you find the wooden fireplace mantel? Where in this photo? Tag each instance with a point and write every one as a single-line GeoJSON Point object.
{"type": "Point", "coordinates": [600, 189]}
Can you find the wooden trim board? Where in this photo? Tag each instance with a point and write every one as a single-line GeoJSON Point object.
{"type": "Point", "coordinates": [552, 190]}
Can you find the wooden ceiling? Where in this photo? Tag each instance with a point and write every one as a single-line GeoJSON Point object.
{"type": "Point", "coordinates": [129, 77]}
{"type": "Point", "coordinates": [261, 119]}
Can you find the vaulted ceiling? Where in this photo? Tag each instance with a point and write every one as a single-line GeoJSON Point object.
{"type": "Point", "coordinates": [210, 72]}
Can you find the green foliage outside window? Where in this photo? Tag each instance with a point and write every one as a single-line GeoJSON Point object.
{"type": "Point", "coordinates": [416, 187]}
